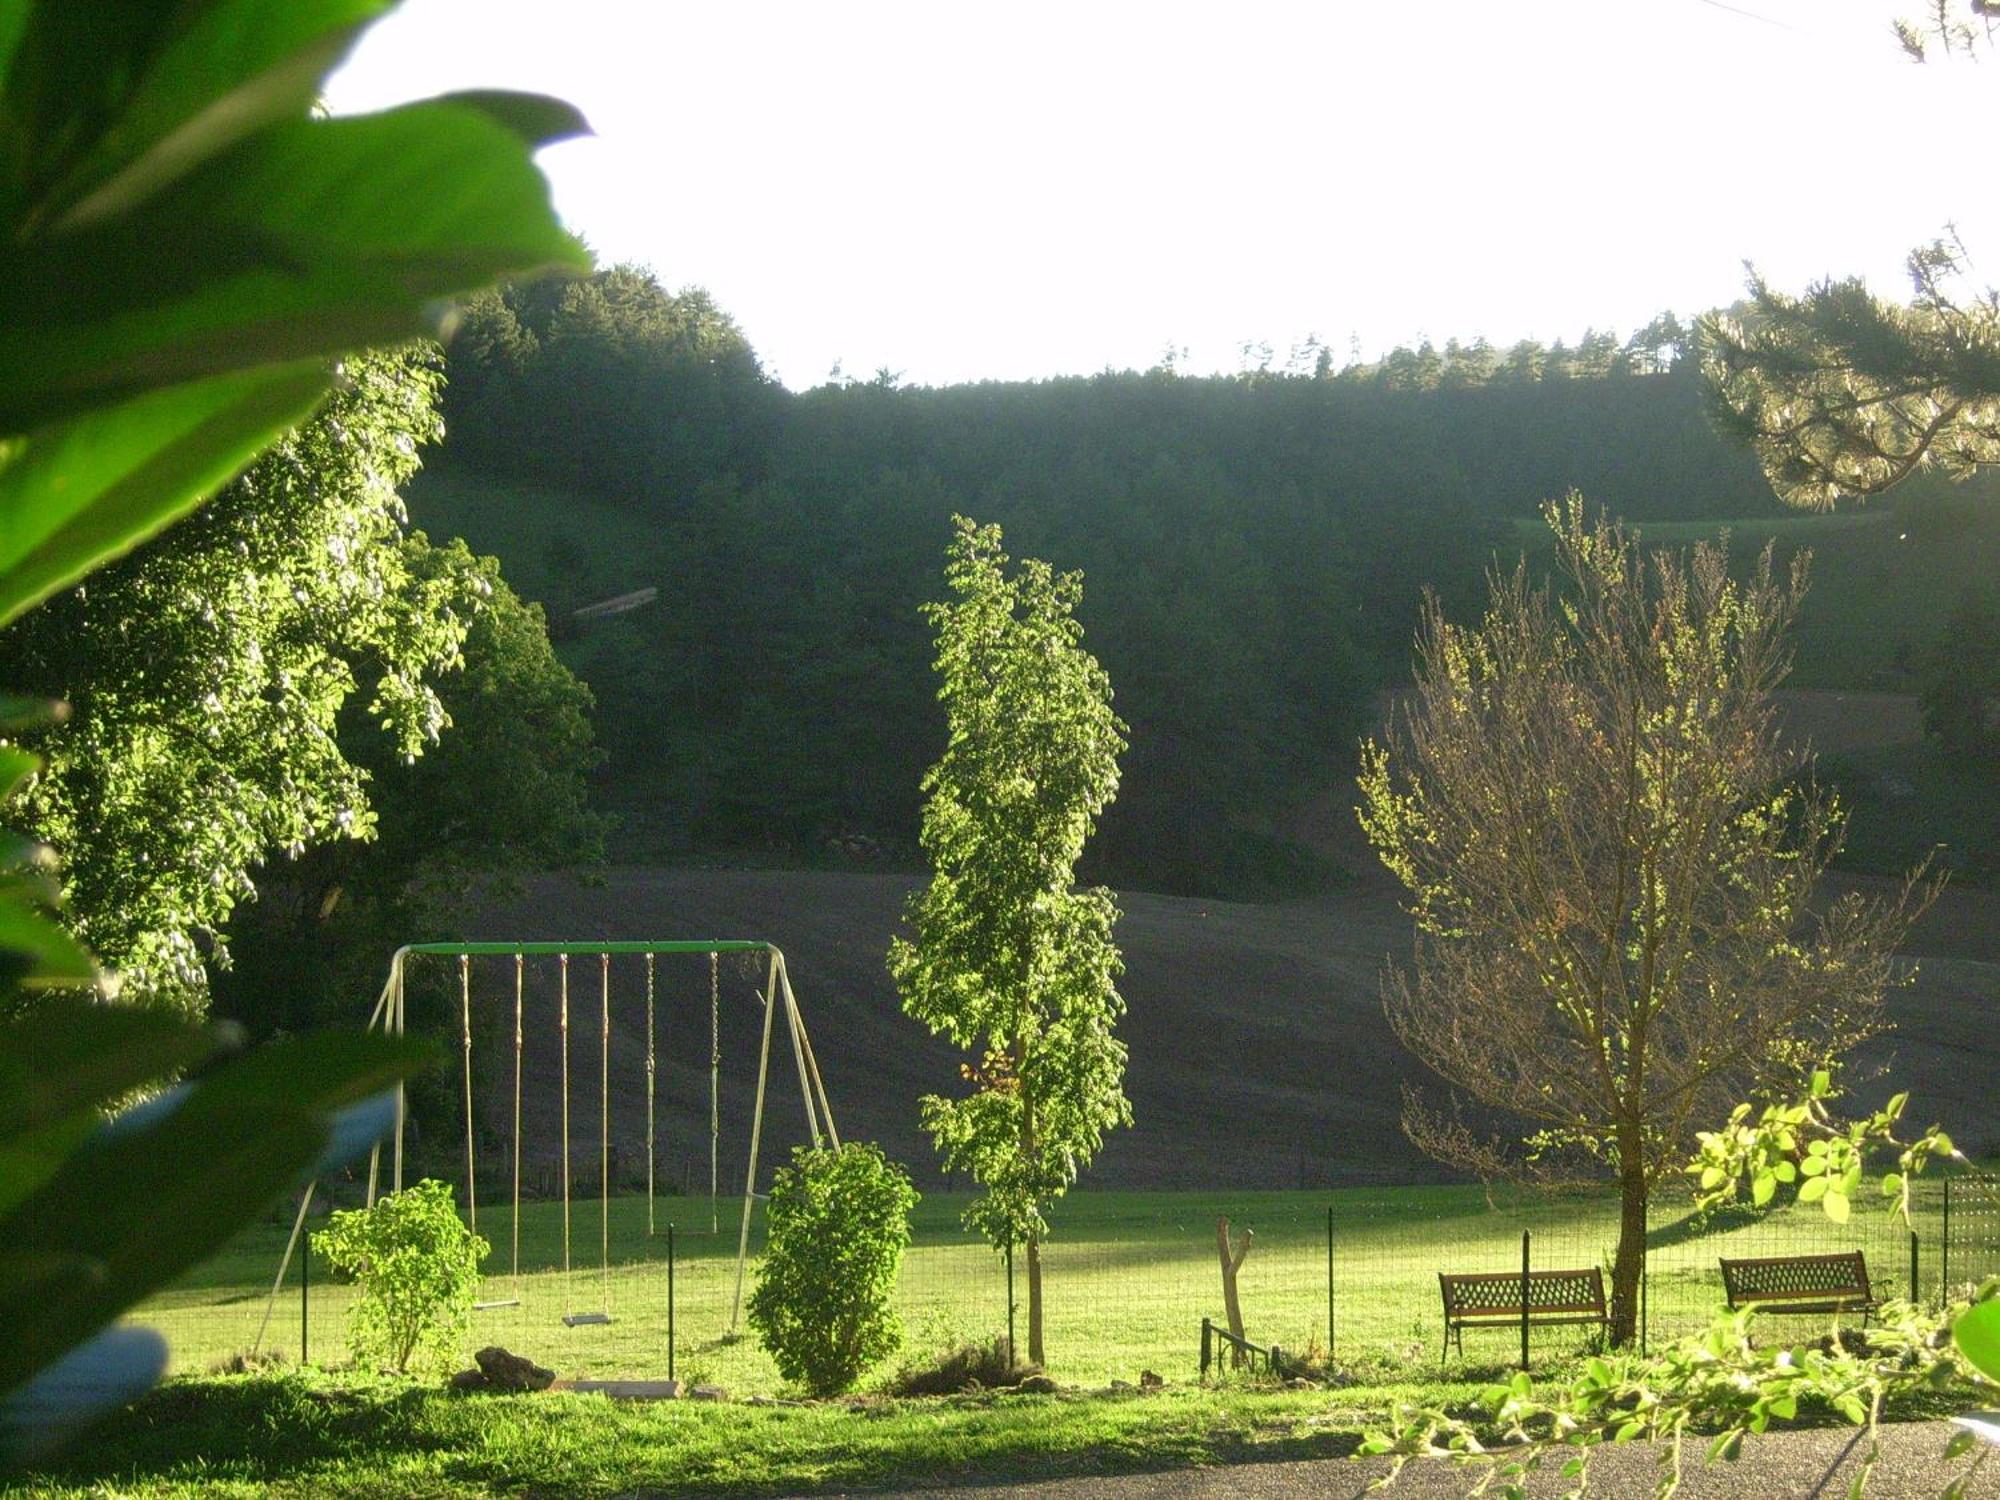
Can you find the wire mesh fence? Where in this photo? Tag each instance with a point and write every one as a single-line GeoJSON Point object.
{"type": "Point", "coordinates": [1349, 1278]}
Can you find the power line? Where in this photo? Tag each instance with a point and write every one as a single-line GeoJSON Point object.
{"type": "Point", "coordinates": [1749, 15]}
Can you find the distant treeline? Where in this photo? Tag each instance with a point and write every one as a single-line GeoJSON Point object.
{"type": "Point", "coordinates": [1254, 548]}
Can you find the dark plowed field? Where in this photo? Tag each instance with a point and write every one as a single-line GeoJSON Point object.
{"type": "Point", "coordinates": [1259, 1054]}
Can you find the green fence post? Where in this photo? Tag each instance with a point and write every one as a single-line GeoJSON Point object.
{"type": "Point", "coordinates": [670, 1301]}
{"type": "Point", "coordinates": [1524, 1299]}
{"type": "Point", "coordinates": [1329, 1286]}
{"type": "Point", "coordinates": [1913, 1267]}
{"type": "Point", "coordinates": [1207, 1335]}
{"type": "Point", "coordinates": [1012, 1357]}
{"type": "Point", "coordinates": [1645, 1297]}
{"type": "Point", "coordinates": [305, 1292]}
{"type": "Point", "coordinates": [1944, 1247]}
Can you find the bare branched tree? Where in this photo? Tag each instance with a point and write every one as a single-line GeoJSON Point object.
{"type": "Point", "coordinates": [1610, 857]}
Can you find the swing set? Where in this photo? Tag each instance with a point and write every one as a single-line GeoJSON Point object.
{"type": "Point", "coordinates": [389, 1016]}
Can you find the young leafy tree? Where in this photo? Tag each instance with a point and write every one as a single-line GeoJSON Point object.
{"type": "Point", "coordinates": [417, 1266]}
{"type": "Point", "coordinates": [824, 1304]}
{"type": "Point", "coordinates": [1006, 954]}
{"type": "Point", "coordinates": [1611, 864]}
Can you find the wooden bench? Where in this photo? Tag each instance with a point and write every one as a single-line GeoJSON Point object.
{"type": "Point", "coordinates": [1801, 1284]}
{"type": "Point", "coordinates": [1492, 1299]}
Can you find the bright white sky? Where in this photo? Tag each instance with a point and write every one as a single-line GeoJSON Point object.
{"type": "Point", "coordinates": [962, 189]}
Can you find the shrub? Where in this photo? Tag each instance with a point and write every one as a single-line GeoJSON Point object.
{"type": "Point", "coordinates": [417, 1266]}
{"type": "Point", "coordinates": [839, 1223]}
{"type": "Point", "coordinates": [971, 1365]}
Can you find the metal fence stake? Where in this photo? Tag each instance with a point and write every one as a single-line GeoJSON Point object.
{"type": "Point", "coordinates": [1329, 1285]}
{"type": "Point", "coordinates": [1913, 1267]}
{"type": "Point", "coordinates": [305, 1294]}
{"type": "Point", "coordinates": [1524, 1299]}
{"type": "Point", "coordinates": [670, 1301]}
{"type": "Point", "coordinates": [1013, 1357]}
{"type": "Point", "coordinates": [1944, 1247]}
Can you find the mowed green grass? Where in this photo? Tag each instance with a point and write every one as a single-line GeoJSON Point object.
{"type": "Point", "coordinates": [308, 1436]}
{"type": "Point", "coordinates": [1128, 1276]}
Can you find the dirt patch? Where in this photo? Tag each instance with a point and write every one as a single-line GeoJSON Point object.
{"type": "Point", "coordinates": [1260, 1057]}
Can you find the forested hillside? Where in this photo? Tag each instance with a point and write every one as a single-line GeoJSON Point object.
{"type": "Point", "coordinates": [1254, 548]}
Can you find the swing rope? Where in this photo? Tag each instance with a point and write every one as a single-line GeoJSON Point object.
{"type": "Point", "coordinates": [649, 1094]}
{"type": "Point", "coordinates": [465, 1048]}
{"type": "Point", "coordinates": [714, 1095]}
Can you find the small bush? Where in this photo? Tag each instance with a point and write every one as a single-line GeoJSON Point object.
{"type": "Point", "coordinates": [839, 1223]}
{"type": "Point", "coordinates": [418, 1268]}
{"type": "Point", "coordinates": [974, 1365]}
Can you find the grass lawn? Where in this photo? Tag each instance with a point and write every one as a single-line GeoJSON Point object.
{"type": "Point", "coordinates": [1129, 1276]}
{"type": "Point", "coordinates": [299, 1436]}
{"type": "Point", "coordinates": [305, 1433]}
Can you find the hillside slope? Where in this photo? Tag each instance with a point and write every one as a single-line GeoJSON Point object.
{"type": "Point", "coordinates": [1259, 1053]}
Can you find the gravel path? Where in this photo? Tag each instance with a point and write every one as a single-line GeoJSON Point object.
{"type": "Point", "coordinates": [1781, 1466]}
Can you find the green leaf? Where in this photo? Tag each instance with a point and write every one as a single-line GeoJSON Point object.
{"type": "Point", "coordinates": [119, 1221]}
{"type": "Point", "coordinates": [16, 766]}
{"type": "Point", "coordinates": [18, 712]}
{"type": "Point", "coordinates": [1812, 1190]}
{"type": "Point", "coordinates": [310, 237]}
{"type": "Point", "coordinates": [1977, 1335]}
{"type": "Point", "coordinates": [65, 1055]}
{"type": "Point", "coordinates": [142, 1203]}
{"type": "Point", "coordinates": [537, 119]}
{"type": "Point", "coordinates": [1763, 1187]}
{"type": "Point", "coordinates": [34, 951]}
{"type": "Point", "coordinates": [1836, 1205]}
{"type": "Point", "coordinates": [238, 66]}
{"type": "Point", "coordinates": [1961, 1442]}
{"type": "Point", "coordinates": [78, 494]}
{"type": "Point", "coordinates": [1892, 1184]}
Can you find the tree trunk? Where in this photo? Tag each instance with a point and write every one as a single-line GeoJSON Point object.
{"type": "Point", "coordinates": [1035, 1354]}
{"type": "Point", "coordinates": [1631, 1257]}
{"type": "Point", "coordinates": [1232, 1260]}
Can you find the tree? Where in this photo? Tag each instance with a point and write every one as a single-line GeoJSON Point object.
{"type": "Point", "coordinates": [1842, 395]}
{"type": "Point", "coordinates": [209, 674]}
{"type": "Point", "coordinates": [504, 791]}
{"type": "Point", "coordinates": [1610, 863]}
{"type": "Point", "coordinates": [1006, 954]}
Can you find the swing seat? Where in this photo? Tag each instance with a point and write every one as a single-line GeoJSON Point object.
{"type": "Point", "coordinates": [502, 1302]}
{"type": "Point", "coordinates": [579, 1320]}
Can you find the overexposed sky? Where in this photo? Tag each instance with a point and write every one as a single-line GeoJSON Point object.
{"type": "Point", "coordinates": [961, 190]}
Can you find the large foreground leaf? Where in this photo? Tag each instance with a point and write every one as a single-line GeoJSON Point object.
{"type": "Point", "coordinates": [145, 1200]}
{"type": "Point", "coordinates": [311, 236]}
{"type": "Point", "coordinates": [76, 494]}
